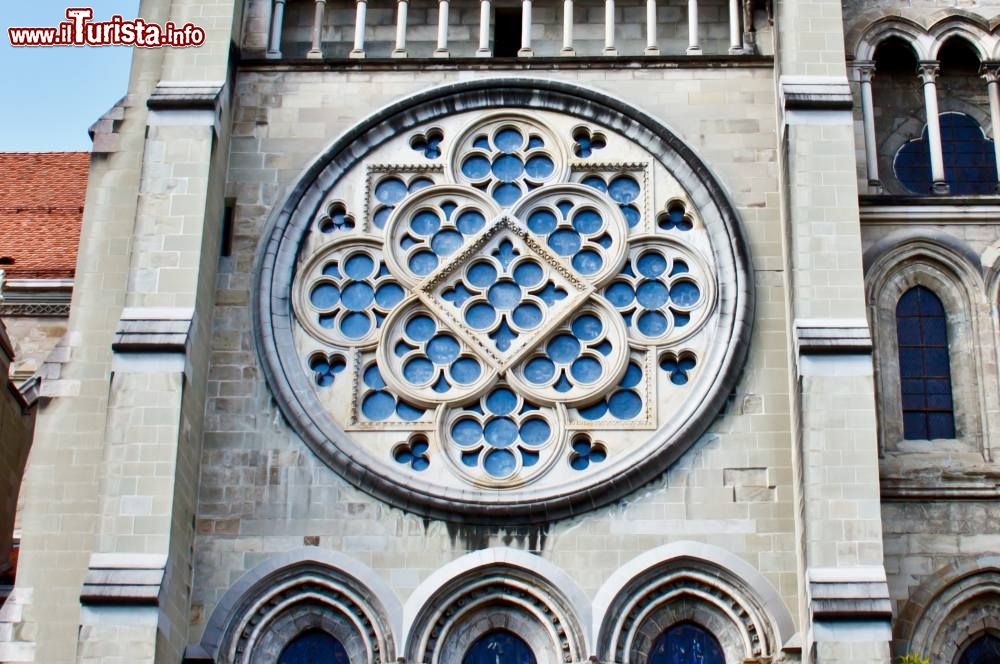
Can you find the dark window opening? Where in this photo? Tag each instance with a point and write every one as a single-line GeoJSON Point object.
{"type": "Point", "coordinates": [894, 57]}
{"type": "Point", "coordinates": [984, 650]}
{"type": "Point", "coordinates": [226, 247]}
{"type": "Point", "coordinates": [958, 58]}
{"type": "Point", "coordinates": [687, 643]}
{"type": "Point", "coordinates": [924, 366]}
{"type": "Point", "coordinates": [507, 32]}
{"type": "Point", "coordinates": [314, 647]}
{"type": "Point", "coordinates": [499, 647]}
{"type": "Point", "coordinates": [970, 166]}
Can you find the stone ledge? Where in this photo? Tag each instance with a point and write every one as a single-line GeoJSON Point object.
{"type": "Point", "coordinates": [816, 93]}
{"type": "Point", "coordinates": [850, 593]}
{"type": "Point", "coordinates": [185, 95]}
{"type": "Point", "coordinates": [123, 579]}
{"type": "Point", "coordinates": [832, 336]}
{"type": "Point", "coordinates": [144, 330]}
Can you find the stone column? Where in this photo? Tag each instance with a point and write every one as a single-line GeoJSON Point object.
{"type": "Point", "coordinates": [525, 50]}
{"type": "Point", "coordinates": [316, 51]}
{"type": "Point", "coordinates": [442, 44]}
{"type": "Point", "coordinates": [865, 72]}
{"type": "Point", "coordinates": [277, 25]}
{"type": "Point", "coordinates": [928, 71]}
{"type": "Point", "coordinates": [651, 47]}
{"type": "Point", "coordinates": [401, 10]}
{"type": "Point", "coordinates": [567, 48]}
{"type": "Point", "coordinates": [609, 28]}
{"type": "Point", "coordinates": [359, 30]}
{"type": "Point", "coordinates": [735, 36]}
{"type": "Point", "coordinates": [693, 47]}
{"type": "Point", "coordinates": [484, 30]}
{"type": "Point", "coordinates": [991, 72]}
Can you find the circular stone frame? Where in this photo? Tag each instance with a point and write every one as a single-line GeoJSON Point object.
{"type": "Point", "coordinates": [273, 322]}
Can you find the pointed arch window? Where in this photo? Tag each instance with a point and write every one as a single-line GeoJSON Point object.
{"type": "Point", "coordinates": [314, 647]}
{"type": "Point", "coordinates": [499, 647]}
{"type": "Point", "coordinates": [983, 650]}
{"type": "Point", "coordinates": [687, 643]}
{"type": "Point", "coordinates": [924, 366]}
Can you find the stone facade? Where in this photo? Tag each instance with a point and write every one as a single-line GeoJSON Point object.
{"type": "Point", "coordinates": [207, 484]}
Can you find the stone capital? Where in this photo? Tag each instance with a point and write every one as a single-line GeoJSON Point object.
{"type": "Point", "coordinates": [990, 70]}
{"type": "Point", "coordinates": [865, 70]}
{"type": "Point", "coordinates": [928, 71]}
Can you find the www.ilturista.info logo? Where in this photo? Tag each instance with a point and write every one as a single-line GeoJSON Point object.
{"type": "Point", "coordinates": [81, 30]}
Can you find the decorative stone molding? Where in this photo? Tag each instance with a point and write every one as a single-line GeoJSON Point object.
{"type": "Point", "coordinates": [123, 579]}
{"type": "Point", "coordinates": [852, 593]}
{"type": "Point", "coordinates": [150, 330]}
{"type": "Point", "coordinates": [836, 337]}
{"type": "Point", "coordinates": [185, 95]}
{"type": "Point", "coordinates": [816, 93]}
{"type": "Point", "coordinates": [36, 297]}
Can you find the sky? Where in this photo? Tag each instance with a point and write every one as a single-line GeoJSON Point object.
{"type": "Point", "coordinates": [51, 96]}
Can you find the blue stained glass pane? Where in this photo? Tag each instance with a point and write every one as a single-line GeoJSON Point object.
{"type": "Point", "coordinates": [580, 463]}
{"type": "Point", "coordinates": [539, 370]}
{"type": "Point", "coordinates": [508, 167]}
{"type": "Point", "coordinates": [594, 412]}
{"type": "Point", "coordinates": [476, 167]}
{"type": "Point", "coordinates": [984, 650]}
{"type": "Point", "coordinates": [564, 208]}
{"type": "Point", "coordinates": [470, 222]}
{"type": "Point", "coordinates": [390, 191]}
{"type": "Point", "coordinates": [652, 294]}
{"type": "Point", "coordinates": [501, 401]}
{"type": "Point", "coordinates": [480, 316]}
{"type": "Point", "coordinates": [423, 262]}
{"type": "Point", "coordinates": [378, 406]}
{"type": "Point", "coordinates": [500, 432]}
{"type": "Point", "coordinates": [565, 242]}
{"type": "Point", "coordinates": [632, 215]}
{"type": "Point", "coordinates": [535, 431]}
{"type": "Point", "coordinates": [587, 221]}
{"type": "Point", "coordinates": [587, 327]}
{"type": "Point", "coordinates": [582, 446]}
{"type": "Point", "coordinates": [624, 189]}
{"type": "Point", "coordinates": [446, 242]}
{"type": "Point", "coordinates": [504, 294]}
{"type": "Point", "coordinates": [470, 459]}
{"type": "Point", "coordinates": [425, 222]}
{"type": "Point", "coordinates": [503, 336]}
{"type": "Point", "coordinates": [420, 183]}
{"type": "Point", "coordinates": [324, 296]}
{"type": "Point", "coordinates": [651, 265]}
{"type": "Point", "coordinates": [314, 647]}
{"type": "Point", "coordinates": [355, 325]}
{"type": "Point", "coordinates": [596, 182]}
{"type": "Point", "coordinates": [536, 142]}
{"type": "Point", "coordinates": [934, 330]}
{"type": "Point", "coordinates": [679, 378]}
{"type": "Point", "coordinates": [358, 296]}
{"type": "Point", "coordinates": [907, 333]}
{"type": "Point", "coordinates": [625, 404]}
{"type": "Point", "coordinates": [652, 323]}
{"type": "Point", "coordinates": [685, 294]}
{"type": "Point", "coordinates": [507, 194]}
{"type": "Point", "coordinates": [539, 167]}
{"type": "Point", "coordinates": [528, 273]}
{"type": "Point", "coordinates": [542, 222]}
{"type": "Point", "coordinates": [465, 371]}
{"type": "Point", "coordinates": [418, 370]}
{"type": "Point", "coordinates": [482, 274]}
{"type": "Point", "coordinates": [330, 270]}
{"type": "Point", "coordinates": [404, 457]}
{"type": "Point", "coordinates": [359, 266]}
{"type": "Point", "coordinates": [586, 370]}
{"type": "Point", "coordinates": [466, 432]}
{"type": "Point", "coordinates": [373, 378]}
{"type": "Point", "coordinates": [604, 348]}
{"type": "Point", "coordinates": [381, 216]}
{"type": "Point", "coordinates": [620, 294]}
{"type": "Point", "coordinates": [481, 142]}
{"type": "Point", "coordinates": [563, 349]}
{"type": "Point", "coordinates": [443, 349]}
{"type": "Point", "coordinates": [587, 262]}
{"type": "Point", "coordinates": [598, 455]}
{"type": "Point", "coordinates": [419, 449]}
{"type": "Point", "coordinates": [442, 385]}
{"type": "Point", "coordinates": [936, 362]}
{"type": "Point", "coordinates": [632, 377]}
{"type": "Point", "coordinates": [421, 328]}
{"type": "Point", "coordinates": [406, 242]}
{"type": "Point", "coordinates": [389, 295]}
{"type": "Point", "coordinates": [528, 459]}
{"type": "Point", "coordinates": [680, 267]}
{"type": "Point", "coordinates": [508, 140]}
{"type": "Point", "coordinates": [914, 425]}
{"type": "Point", "coordinates": [527, 316]}
{"type": "Point", "coordinates": [500, 463]}
{"type": "Point", "coordinates": [687, 643]}
{"type": "Point", "coordinates": [420, 463]}
{"type": "Point", "coordinates": [448, 208]}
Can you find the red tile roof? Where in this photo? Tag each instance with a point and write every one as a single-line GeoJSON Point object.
{"type": "Point", "coordinates": [41, 209]}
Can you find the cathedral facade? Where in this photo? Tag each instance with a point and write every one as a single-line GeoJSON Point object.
{"type": "Point", "coordinates": [444, 332]}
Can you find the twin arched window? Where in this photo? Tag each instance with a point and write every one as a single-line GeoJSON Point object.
{"type": "Point", "coordinates": [969, 159]}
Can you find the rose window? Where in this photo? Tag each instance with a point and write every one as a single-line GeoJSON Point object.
{"type": "Point", "coordinates": [505, 320]}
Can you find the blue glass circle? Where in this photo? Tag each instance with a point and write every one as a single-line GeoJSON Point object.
{"type": "Point", "coordinates": [507, 167]}
{"type": "Point", "coordinates": [446, 242]}
{"type": "Point", "coordinates": [420, 183]}
{"type": "Point", "coordinates": [620, 294]}
{"type": "Point", "coordinates": [482, 274]}
{"type": "Point", "coordinates": [528, 273]}
{"type": "Point", "coordinates": [563, 349]}
{"type": "Point", "coordinates": [465, 371]}
{"type": "Point", "coordinates": [324, 296]}
{"type": "Point", "coordinates": [501, 401]}
{"type": "Point", "coordinates": [587, 221]}
{"type": "Point", "coordinates": [421, 328]}
{"type": "Point", "coordinates": [587, 262]}
{"type": "Point", "coordinates": [423, 262]}
{"type": "Point", "coordinates": [507, 194]}
{"type": "Point", "coordinates": [624, 189]}
{"type": "Point", "coordinates": [389, 295]}
{"type": "Point", "coordinates": [504, 294]}
{"type": "Point", "coordinates": [652, 323]}
{"type": "Point", "coordinates": [500, 463]}
{"type": "Point", "coordinates": [542, 222]}
{"type": "Point", "coordinates": [594, 412]}
{"type": "Point", "coordinates": [500, 432]}
{"type": "Point", "coordinates": [651, 264]}
{"type": "Point", "coordinates": [539, 370]}
{"type": "Point", "coordinates": [565, 242]}
{"type": "Point", "coordinates": [480, 316]}
{"type": "Point", "coordinates": [466, 432]}
{"type": "Point", "coordinates": [539, 167]}
{"type": "Point", "coordinates": [373, 378]}
{"type": "Point", "coordinates": [632, 215]}
{"type": "Point", "coordinates": [652, 294]}
{"type": "Point", "coordinates": [476, 167]}
{"type": "Point", "coordinates": [390, 191]}
{"type": "Point", "coordinates": [580, 463]}
{"type": "Point", "coordinates": [587, 327]}
{"type": "Point", "coordinates": [470, 222]}
{"type": "Point", "coordinates": [381, 216]}
{"type": "Point", "coordinates": [359, 266]}
{"type": "Point", "coordinates": [358, 296]}
{"type": "Point", "coordinates": [508, 140]}
{"type": "Point", "coordinates": [586, 370]}
{"type": "Point", "coordinates": [597, 454]}
{"type": "Point", "coordinates": [443, 349]}
{"type": "Point", "coordinates": [632, 377]}
{"type": "Point", "coordinates": [355, 325]}
{"type": "Point", "coordinates": [596, 182]}
{"type": "Point", "coordinates": [535, 431]}
{"type": "Point", "coordinates": [420, 463]}
{"type": "Point", "coordinates": [685, 294]}
{"type": "Point", "coordinates": [527, 316]}
{"type": "Point", "coordinates": [425, 222]}
{"type": "Point", "coordinates": [625, 404]}
{"type": "Point", "coordinates": [378, 406]}
{"type": "Point", "coordinates": [418, 370]}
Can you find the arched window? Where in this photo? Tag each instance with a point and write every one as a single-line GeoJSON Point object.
{"type": "Point", "coordinates": [984, 650]}
{"type": "Point", "coordinates": [314, 647]}
{"type": "Point", "coordinates": [970, 166]}
{"type": "Point", "coordinates": [687, 643]}
{"type": "Point", "coordinates": [499, 647]}
{"type": "Point", "coordinates": [924, 366]}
